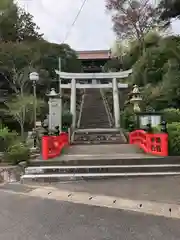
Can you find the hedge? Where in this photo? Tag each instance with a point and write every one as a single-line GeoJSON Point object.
{"type": "Point", "coordinates": [173, 137]}
{"type": "Point", "coordinates": [17, 153]}
{"type": "Point", "coordinates": [6, 138]}
{"type": "Point", "coordinates": [171, 115]}
{"type": "Point", "coordinates": [128, 119]}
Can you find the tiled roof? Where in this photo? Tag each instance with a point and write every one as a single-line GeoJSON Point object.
{"type": "Point", "coordinates": [94, 54]}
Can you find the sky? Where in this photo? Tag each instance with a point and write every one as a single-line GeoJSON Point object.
{"type": "Point", "coordinates": [92, 31]}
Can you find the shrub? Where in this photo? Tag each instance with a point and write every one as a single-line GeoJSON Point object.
{"type": "Point", "coordinates": [171, 115]}
{"type": "Point", "coordinates": [66, 119]}
{"type": "Point", "coordinates": [128, 119]}
{"type": "Point", "coordinates": [156, 129]}
{"type": "Point", "coordinates": [174, 138]}
{"type": "Point", "coordinates": [17, 153]}
{"type": "Point", "coordinates": [6, 138]}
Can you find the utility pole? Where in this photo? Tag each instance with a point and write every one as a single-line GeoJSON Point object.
{"type": "Point", "coordinates": [60, 95]}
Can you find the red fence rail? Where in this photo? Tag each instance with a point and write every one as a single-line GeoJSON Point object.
{"type": "Point", "coordinates": [53, 145]}
{"type": "Point", "coordinates": [153, 143]}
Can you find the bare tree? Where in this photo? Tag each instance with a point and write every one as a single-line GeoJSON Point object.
{"type": "Point", "coordinates": [133, 19]}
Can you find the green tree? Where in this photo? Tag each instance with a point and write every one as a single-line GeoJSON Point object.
{"type": "Point", "coordinates": [18, 109]}
{"type": "Point", "coordinates": [171, 84]}
{"type": "Point", "coordinates": [169, 9]}
{"type": "Point", "coordinates": [158, 71]}
{"type": "Point", "coordinates": [21, 109]}
{"type": "Point", "coordinates": [40, 56]}
{"type": "Point", "coordinates": [151, 66]}
{"type": "Point", "coordinates": [5, 4]}
{"type": "Point", "coordinates": [17, 25]}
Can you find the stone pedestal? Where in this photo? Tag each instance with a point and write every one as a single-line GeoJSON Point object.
{"type": "Point", "coordinates": [54, 113]}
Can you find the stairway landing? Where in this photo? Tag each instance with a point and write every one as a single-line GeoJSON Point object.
{"type": "Point", "coordinates": [99, 153]}
{"type": "Point", "coordinates": [98, 136]}
{"type": "Point", "coordinates": [103, 149]}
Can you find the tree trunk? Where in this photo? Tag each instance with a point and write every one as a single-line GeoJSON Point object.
{"type": "Point", "coordinates": [22, 131]}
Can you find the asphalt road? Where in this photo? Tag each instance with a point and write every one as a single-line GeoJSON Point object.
{"type": "Point", "coordinates": [26, 218]}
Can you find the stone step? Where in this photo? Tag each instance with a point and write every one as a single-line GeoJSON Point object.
{"type": "Point", "coordinates": [97, 117]}
{"type": "Point", "coordinates": [99, 142]}
{"type": "Point", "coordinates": [101, 166]}
{"type": "Point", "coordinates": [103, 169]}
{"type": "Point", "coordinates": [95, 124]}
{"type": "Point", "coordinates": [96, 109]}
{"type": "Point", "coordinates": [98, 130]}
{"type": "Point", "coordinates": [99, 137]}
{"type": "Point", "coordinates": [50, 178]}
{"type": "Point", "coordinates": [116, 134]}
{"type": "Point", "coordinates": [102, 141]}
{"type": "Point", "coordinates": [105, 159]}
{"type": "Point", "coordinates": [57, 173]}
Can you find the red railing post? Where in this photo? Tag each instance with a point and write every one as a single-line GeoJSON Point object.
{"type": "Point", "coordinates": [45, 147]}
{"type": "Point", "coordinates": [164, 144]}
{"type": "Point", "coordinates": [148, 142]}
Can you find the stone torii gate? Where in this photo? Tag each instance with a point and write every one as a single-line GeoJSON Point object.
{"type": "Point", "coordinates": [96, 83]}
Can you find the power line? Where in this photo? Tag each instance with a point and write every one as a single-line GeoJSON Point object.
{"type": "Point", "coordinates": [75, 20]}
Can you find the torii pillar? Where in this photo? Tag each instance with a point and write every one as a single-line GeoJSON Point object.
{"type": "Point", "coordinates": [73, 102]}
{"type": "Point", "coordinates": [116, 103]}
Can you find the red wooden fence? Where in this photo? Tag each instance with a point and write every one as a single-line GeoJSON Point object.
{"type": "Point", "coordinates": [53, 145]}
{"type": "Point", "coordinates": [153, 143]}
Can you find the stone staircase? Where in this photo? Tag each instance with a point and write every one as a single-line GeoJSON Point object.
{"type": "Point", "coordinates": [94, 114]}
{"type": "Point", "coordinates": [84, 162]}
{"type": "Point", "coordinates": [95, 124]}
{"type": "Point", "coordinates": [99, 152]}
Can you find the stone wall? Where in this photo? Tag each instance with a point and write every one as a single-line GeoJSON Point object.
{"type": "Point", "coordinates": [10, 173]}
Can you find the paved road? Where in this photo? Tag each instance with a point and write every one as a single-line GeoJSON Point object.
{"type": "Point", "coordinates": [22, 217]}
{"type": "Point", "coordinates": [161, 189]}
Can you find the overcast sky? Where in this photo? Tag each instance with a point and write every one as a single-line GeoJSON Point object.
{"type": "Point", "coordinates": [93, 29]}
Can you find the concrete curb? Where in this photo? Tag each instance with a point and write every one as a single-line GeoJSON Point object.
{"type": "Point", "coordinates": [145, 207]}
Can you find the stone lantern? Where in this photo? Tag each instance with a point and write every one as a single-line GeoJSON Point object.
{"type": "Point", "coordinates": [55, 117]}
{"type": "Point", "coordinates": [136, 98]}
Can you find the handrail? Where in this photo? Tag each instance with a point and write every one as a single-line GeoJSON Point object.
{"type": "Point", "coordinates": [53, 145]}
{"type": "Point", "coordinates": [153, 143]}
{"type": "Point", "coordinates": [107, 108]}
{"type": "Point", "coordinates": [81, 108]}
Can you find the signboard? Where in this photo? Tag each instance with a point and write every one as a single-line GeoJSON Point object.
{"type": "Point", "coordinates": [38, 124]}
{"type": "Point", "coordinates": [145, 119]}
